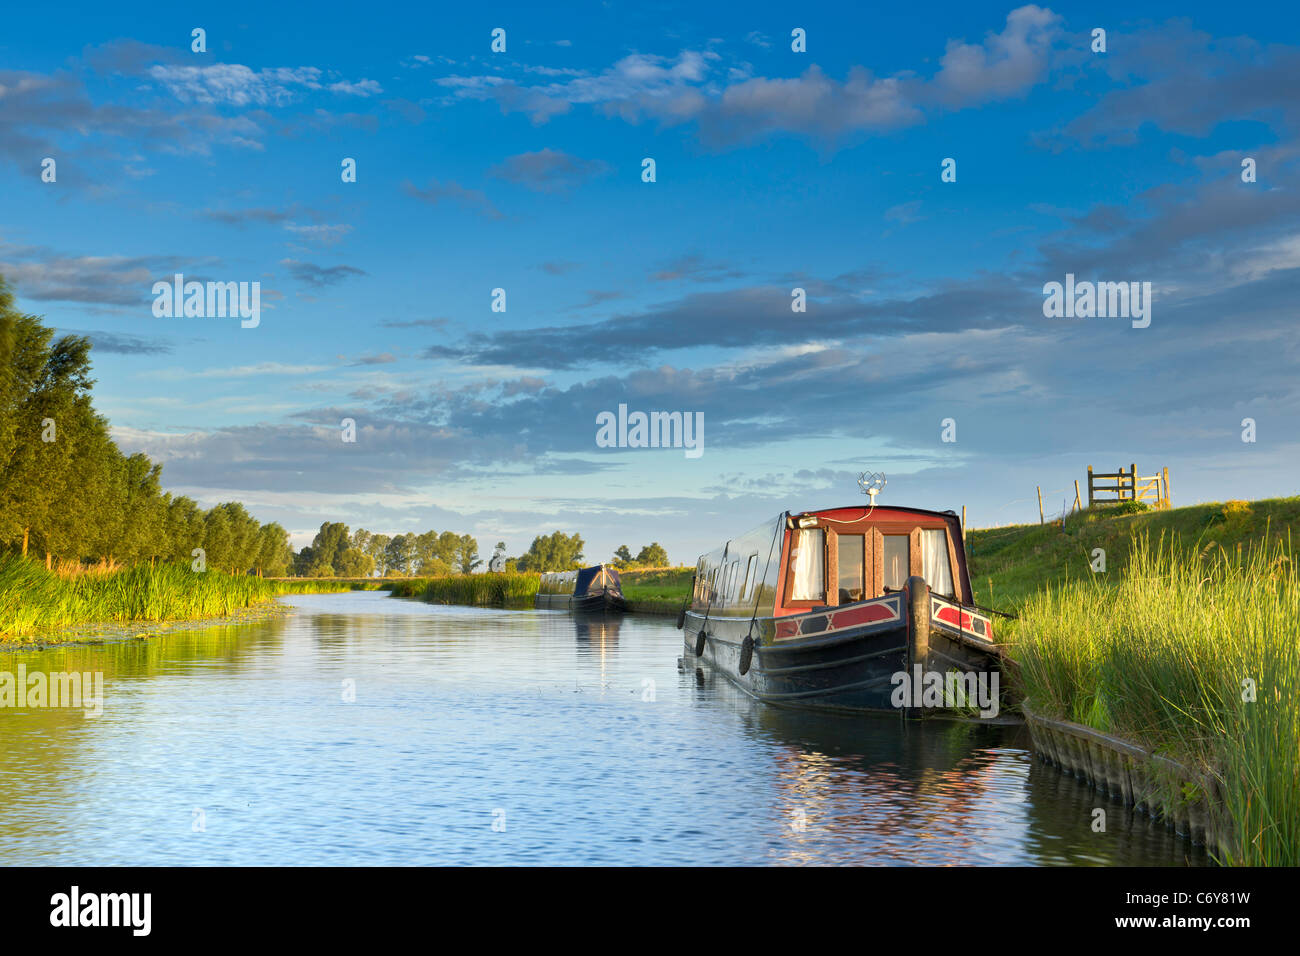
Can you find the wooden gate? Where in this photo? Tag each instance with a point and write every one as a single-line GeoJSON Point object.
{"type": "Point", "coordinates": [1128, 485]}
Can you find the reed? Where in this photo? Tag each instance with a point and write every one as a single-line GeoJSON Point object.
{"type": "Point", "coordinates": [1168, 654]}
{"type": "Point", "coordinates": [650, 590]}
{"type": "Point", "coordinates": [510, 589]}
{"type": "Point", "coordinates": [33, 599]}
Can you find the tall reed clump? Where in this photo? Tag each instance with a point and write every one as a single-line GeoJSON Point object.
{"type": "Point", "coordinates": [509, 589]}
{"type": "Point", "coordinates": [1195, 654]}
{"type": "Point", "coordinates": [33, 599]}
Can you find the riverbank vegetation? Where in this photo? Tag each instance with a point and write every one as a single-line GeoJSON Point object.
{"type": "Point", "coordinates": [67, 494]}
{"type": "Point", "coordinates": [1008, 565]}
{"type": "Point", "coordinates": [1192, 652]}
{"type": "Point", "coordinates": [35, 601]}
{"type": "Point", "coordinates": [648, 590]}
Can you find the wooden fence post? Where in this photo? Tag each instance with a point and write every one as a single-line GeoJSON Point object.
{"type": "Point", "coordinates": [1078, 505]}
{"type": "Point", "coordinates": [1090, 486]}
{"type": "Point", "coordinates": [1040, 503]}
{"type": "Point", "coordinates": [1132, 481]}
{"type": "Point", "coordinates": [1168, 504]}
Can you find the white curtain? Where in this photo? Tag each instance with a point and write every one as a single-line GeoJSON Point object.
{"type": "Point", "coordinates": [934, 557]}
{"type": "Point", "coordinates": [808, 565]}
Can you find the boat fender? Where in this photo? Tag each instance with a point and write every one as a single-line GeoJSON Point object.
{"type": "Point", "coordinates": [700, 638]}
{"type": "Point", "coordinates": [746, 654]}
{"type": "Point", "coordinates": [681, 618]}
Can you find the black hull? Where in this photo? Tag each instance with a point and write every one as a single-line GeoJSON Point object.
{"type": "Point", "coordinates": [599, 603]}
{"type": "Point", "coordinates": [844, 669]}
{"type": "Point", "coordinates": [602, 603]}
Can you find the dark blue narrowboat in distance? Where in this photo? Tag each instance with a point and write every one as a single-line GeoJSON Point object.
{"type": "Point", "coordinates": [590, 590]}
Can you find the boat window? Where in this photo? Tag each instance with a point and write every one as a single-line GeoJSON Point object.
{"type": "Point", "coordinates": [852, 567]}
{"type": "Point", "coordinates": [934, 557]}
{"type": "Point", "coordinates": [809, 566]}
{"type": "Point", "coordinates": [732, 580]}
{"type": "Point", "coordinates": [895, 554]}
{"type": "Point", "coordinates": [747, 589]}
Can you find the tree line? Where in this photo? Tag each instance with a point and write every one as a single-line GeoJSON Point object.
{"type": "Point", "coordinates": [67, 492]}
{"type": "Point", "coordinates": [336, 552]}
{"type": "Point", "coordinates": [652, 555]}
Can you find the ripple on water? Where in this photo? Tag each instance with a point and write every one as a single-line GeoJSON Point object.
{"type": "Point", "coordinates": [506, 737]}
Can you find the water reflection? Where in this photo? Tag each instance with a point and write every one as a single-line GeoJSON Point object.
{"type": "Point", "coordinates": [581, 731]}
{"type": "Point", "coordinates": [877, 788]}
{"type": "Point", "coordinates": [596, 628]}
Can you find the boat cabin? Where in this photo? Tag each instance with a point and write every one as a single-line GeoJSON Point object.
{"type": "Point", "coordinates": [810, 560]}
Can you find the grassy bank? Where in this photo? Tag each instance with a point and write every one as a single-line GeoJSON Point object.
{"type": "Point", "coordinates": [1164, 653]}
{"type": "Point", "coordinates": [1008, 565]}
{"type": "Point", "coordinates": [648, 591]}
{"type": "Point", "coordinates": [657, 590]}
{"type": "Point", "coordinates": [34, 601]}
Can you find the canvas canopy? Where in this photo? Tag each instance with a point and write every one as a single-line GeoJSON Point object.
{"type": "Point", "coordinates": [594, 579]}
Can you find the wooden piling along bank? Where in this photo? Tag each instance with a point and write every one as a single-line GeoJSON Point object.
{"type": "Point", "coordinates": [1188, 802]}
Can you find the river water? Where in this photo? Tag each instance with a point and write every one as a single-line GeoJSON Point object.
{"type": "Point", "coordinates": [364, 729]}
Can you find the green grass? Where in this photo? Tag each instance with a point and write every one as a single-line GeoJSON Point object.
{"type": "Point", "coordinates": [1010, 564]}
{"type": "Point", "coordinates": [657, 590]}
{"type": "Point", "coordinates": [1161, 654]}
{"type": "Point", "coordinates": [34, 601]}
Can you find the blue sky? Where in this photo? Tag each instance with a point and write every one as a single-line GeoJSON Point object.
{"type": "Point", "coordinates": [775, 169]}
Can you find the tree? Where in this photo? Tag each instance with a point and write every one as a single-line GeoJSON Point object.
{"type": "Point", "coordinates": [622, 556]}
{"type": "Point", "coordinates": [44, 401]}
{"type": "Point", "coordinates": [184, 528]}
{"type": "Point", "coordinates": [355, 563]}
{"type": "Point", "coordinates": [428, 559]}
{"type": "Point", "coordinates": [218, 539]}
{"type": "Point", "coordinates": [318, 560]}
{"type": "Point", "coordinates": [554, 552]}
{"type": "Point", "coordinates": [274, 556]}
{"type": "Point", "coordinates": [400, 554]}
{"type": "Point", "coordinates": [377, 548]}
{"type": "Point", "coordinates": [653, 555]}
{"type": "Point", "coordinates": [245, 543]}
{"type": "Point", "coordinates": [467, 558]}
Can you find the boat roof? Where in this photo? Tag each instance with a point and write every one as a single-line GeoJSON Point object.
{"type": "Point", "coordinates": [949, 513]}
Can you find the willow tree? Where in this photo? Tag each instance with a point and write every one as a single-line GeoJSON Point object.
{"type": "Point", "coordinates": [44, 394]}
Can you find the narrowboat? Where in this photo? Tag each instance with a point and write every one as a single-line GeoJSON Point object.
{"type": "Point", "coordinates": [861, 608]}
{"type": "Point", "coordinates": [591, 590]}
